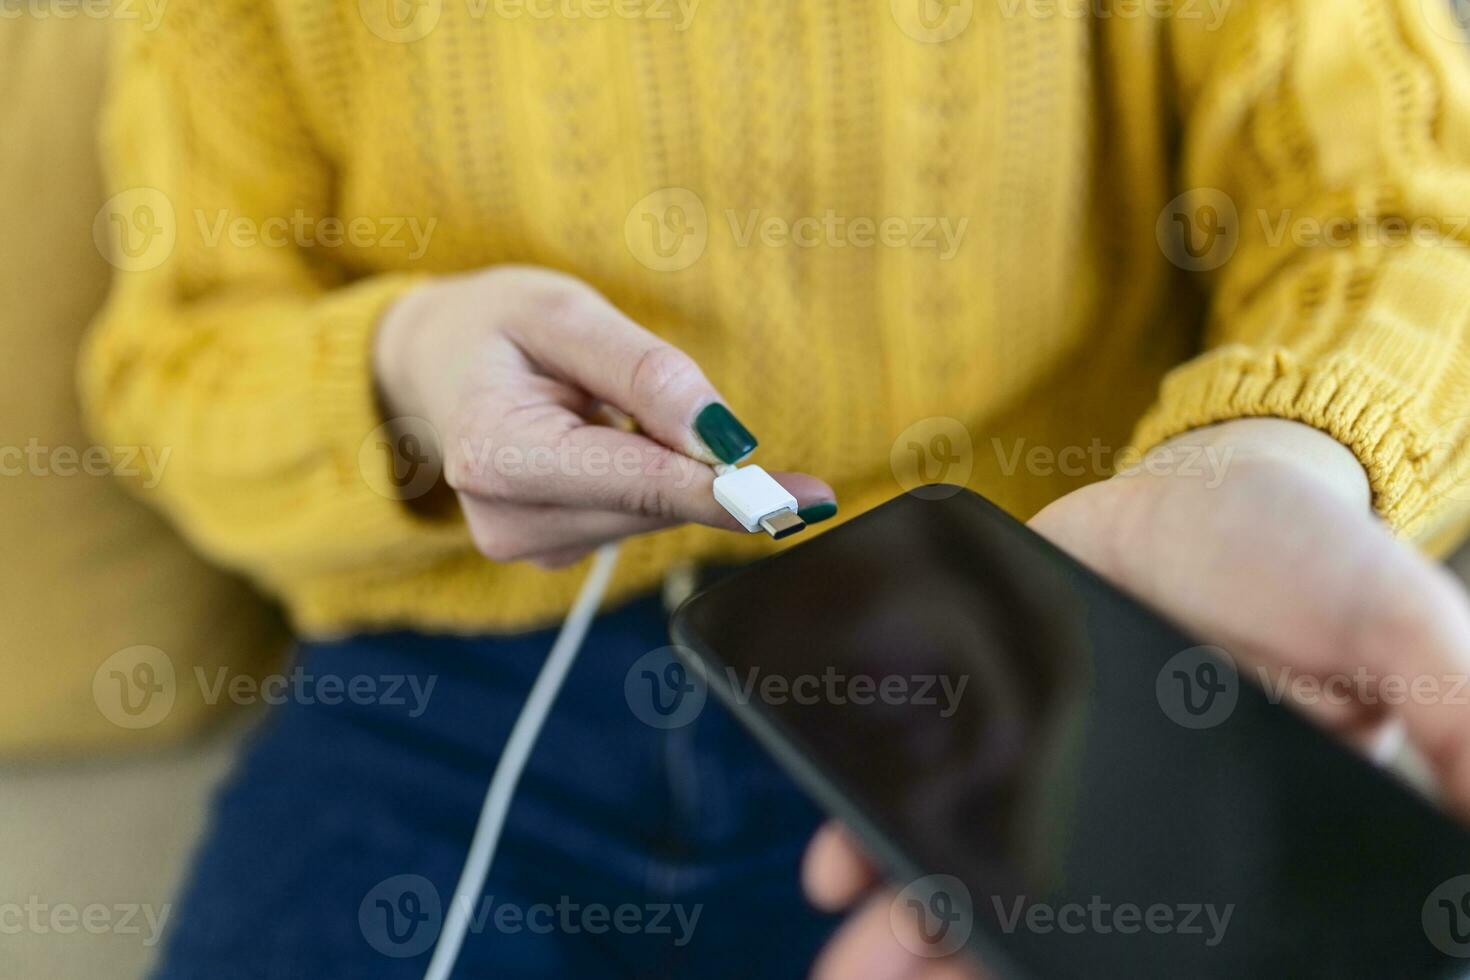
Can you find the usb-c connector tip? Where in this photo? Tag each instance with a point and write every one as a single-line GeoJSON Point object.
{"type": "Point", "coordinates": [781, 524]}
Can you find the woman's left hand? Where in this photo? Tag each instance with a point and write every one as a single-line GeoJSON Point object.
{"type": "Point", "coordinates": [1283, 564]}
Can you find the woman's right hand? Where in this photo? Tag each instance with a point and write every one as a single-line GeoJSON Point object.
{"type": "Point", "coordinates": [510, 367]}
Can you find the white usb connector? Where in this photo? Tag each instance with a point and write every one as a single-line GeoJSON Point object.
{"type": "Point", "coordinates": [757, 501]}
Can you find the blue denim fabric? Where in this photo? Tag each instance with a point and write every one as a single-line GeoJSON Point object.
{"type": "Point", "coordinates": [631, 850]}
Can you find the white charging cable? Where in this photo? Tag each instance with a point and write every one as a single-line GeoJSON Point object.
{"type": "Point", "coordinates": [754, 499]}
{"type": "Point", "coordinates": [513, 761]}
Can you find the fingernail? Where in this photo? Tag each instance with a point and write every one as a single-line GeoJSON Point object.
{"type": "Point", "coordinates": [817, 513]}
{"type": "Point", "coordinates": [723, 434]}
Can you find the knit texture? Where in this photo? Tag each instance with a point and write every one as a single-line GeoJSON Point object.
{"type": "Point", "coordinates": [990, 279]}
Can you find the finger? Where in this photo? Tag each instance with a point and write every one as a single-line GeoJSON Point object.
{"type": "Point", "coordinates": [556, 560]}
{"type": "Point", "coordinates": [577, 335]}
{"type": "Point", "coordinates": [515, 532]}
{"type": "Point", "coordinates": [875, 944]}
{"type": "Point", "coordinates": [1416, 630]}
{"type": "Point", "coordinates": [646, 479]}
{"type": "Point", "coordinates": [548, 456]}
{"type": "Point", "coordinates": [865, 947]}
{"type": "Point", "coordinates": [834, 872]}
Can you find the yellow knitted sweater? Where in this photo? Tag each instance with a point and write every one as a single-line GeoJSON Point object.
{"type": "Point", "coordinates": [908, 240]}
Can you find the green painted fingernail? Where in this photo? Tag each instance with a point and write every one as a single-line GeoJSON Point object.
{"type": "Point", "coordinates": [818, 512]}
{"type": "Point", "coordinates": [723, 434]}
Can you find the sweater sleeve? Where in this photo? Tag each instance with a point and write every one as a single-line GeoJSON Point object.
{"type": "Point", "coordinates": [1324, 167]}
{"type": "Point", "coordinates": [236, 343]}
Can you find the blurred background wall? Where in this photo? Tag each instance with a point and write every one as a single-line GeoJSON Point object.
{"type": "Point", "coordinates": [104, 794]}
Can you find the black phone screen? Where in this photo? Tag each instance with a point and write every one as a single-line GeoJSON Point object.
{"type": "Point", "coordinates": [1062, 776]}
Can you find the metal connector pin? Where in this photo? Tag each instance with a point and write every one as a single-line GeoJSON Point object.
{"type": "Point", "coordinates": [783, 523]}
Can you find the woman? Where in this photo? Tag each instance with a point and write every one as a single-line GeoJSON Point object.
{"type": "Point", "coordinates": [895, 241]}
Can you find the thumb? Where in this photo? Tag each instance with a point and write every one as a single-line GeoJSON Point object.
{"type": "Point", "coordinates": [1415, 628]}
{"type": "Point", "coordinates": [834, 871]}
{"type": "Point", "coordinates": [576, 335]}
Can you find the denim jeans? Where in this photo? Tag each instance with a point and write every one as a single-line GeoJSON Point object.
{"type": "Point", "coordinates": [642, 842]}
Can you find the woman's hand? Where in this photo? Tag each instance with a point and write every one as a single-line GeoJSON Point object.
{"type": "Point", "coordinates": [510, 368]}
{"type": "Point", "coordinates": [1283, 565]}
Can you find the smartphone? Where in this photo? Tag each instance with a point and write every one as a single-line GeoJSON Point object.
{"type": "Point", "coordinates": [1055, 778]}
